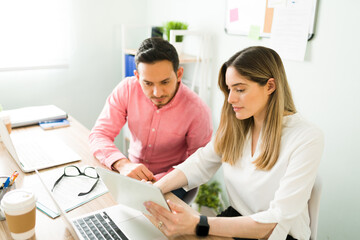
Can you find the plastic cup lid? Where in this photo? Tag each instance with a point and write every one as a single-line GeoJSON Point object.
{"type": "Point", "coordinates": [18, 200]}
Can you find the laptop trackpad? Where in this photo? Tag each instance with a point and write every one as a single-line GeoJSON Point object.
{"type": "Point", "coordinates": [141, 228]}
{"type": "Point", "coordinates": [136, 227]}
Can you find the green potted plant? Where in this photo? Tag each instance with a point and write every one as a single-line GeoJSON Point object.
{"type": "Point", "coordinates": [209, 196]}
{"type": "Point", "coordinates": [172, 25]}
{"type": "Point", "coordinates": [157, 31]}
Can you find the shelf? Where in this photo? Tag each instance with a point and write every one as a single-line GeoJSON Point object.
{"type": "Point", "coordinates": [184, 58]}
{"type": "Point", "coordinates": [130, 51]}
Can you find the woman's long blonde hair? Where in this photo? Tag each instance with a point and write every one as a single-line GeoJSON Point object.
{"type": "Point", "coordinates": [256, 64]}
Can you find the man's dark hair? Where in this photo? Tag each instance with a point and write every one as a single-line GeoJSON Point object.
{"type": "Point", "coordinates": [156, 49]}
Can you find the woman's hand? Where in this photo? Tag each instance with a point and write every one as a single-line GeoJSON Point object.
{"type": "Point", "coordinates": [176, 222]}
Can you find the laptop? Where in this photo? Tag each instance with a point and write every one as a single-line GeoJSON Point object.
{"type": "Point", "coordinates": [36, 150]}
{"type": "Point", "coordinates": [117, 222]}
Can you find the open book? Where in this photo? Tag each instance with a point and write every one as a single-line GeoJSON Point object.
{"type": "Point", "coordinates": [33, 115]}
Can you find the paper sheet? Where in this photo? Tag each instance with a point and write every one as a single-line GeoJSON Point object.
{"type": "Point", "coordinates": [66, 191]}
{"type": "Point", "coordinates": [290, 28]}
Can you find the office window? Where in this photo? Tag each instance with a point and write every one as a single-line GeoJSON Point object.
{"type": "Point", "coordinates": [34, 33]}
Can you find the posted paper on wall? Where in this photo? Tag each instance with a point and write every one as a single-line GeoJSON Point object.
{"type": "Point", "coordinates": [290, 29]}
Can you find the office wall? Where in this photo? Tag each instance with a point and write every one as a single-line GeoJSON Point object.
{"type": "Point", "coordinates": [325, 85]}
{"type": "Point", "coordinates": [326, 91]}
{"type": "Point", "coordinates": [94, 67]}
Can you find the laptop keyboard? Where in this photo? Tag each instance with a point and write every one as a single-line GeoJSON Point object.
{"type": "Point", "coordinates": [40, 150]}
{"type": "Point", "coordinates": [99, 226]}
{"type": "Point", "coordinates": [31, 154]}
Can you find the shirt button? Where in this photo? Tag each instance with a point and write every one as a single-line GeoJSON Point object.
{"type": "Point", "coordinates": [146, 160]}
{"type": "Point", "coordinates": [153, 129]}
{"type": "Point", "coordinates": [149, 145]}
{"type": "Point", "coordinates": [157, 111]}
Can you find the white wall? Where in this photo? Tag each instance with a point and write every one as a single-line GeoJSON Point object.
{"type": "Point", "coordinates": [326, 91]}
{"type": "Point", "coordinates": [95, 63]}
{"type": "Point", "coordinates": [325, 85]}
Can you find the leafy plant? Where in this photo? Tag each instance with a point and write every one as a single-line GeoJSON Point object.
{"type": "Point", "coordinates": [157, 31]}
{"type": "Point", "coordinates": [172, 25]}
{"type": "Point", "coordinates": [209, 196]}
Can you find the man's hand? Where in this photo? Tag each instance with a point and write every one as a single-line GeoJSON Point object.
{"type": "Point", "coordinates": [134, 170]}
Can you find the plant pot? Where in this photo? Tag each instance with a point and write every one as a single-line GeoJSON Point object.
{"type": "Point", "coordinates": [204, 210]}
{"type": "Point", "coordinates": [179, 47]}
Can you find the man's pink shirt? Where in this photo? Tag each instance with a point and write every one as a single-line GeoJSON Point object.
{"type": "Point", "coordinates": [160, 138]}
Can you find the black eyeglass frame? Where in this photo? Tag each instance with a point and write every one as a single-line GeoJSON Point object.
{"type": "Point", "coordinates": [80, 173]}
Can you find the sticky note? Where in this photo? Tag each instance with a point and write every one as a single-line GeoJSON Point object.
{"type": "Point", "coordinates": [234, 14]}
{"type": "Point", "coordinates": [254, 32]}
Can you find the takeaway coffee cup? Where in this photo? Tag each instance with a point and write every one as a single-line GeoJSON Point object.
{"type": "Point", "coordinates": [20, 212]}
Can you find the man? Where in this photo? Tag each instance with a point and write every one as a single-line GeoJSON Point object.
{"type": "Point", "coordinates": [167, 121]}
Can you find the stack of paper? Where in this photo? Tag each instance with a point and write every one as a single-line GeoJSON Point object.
{"type": "Point", "coordinates": [33, 115]}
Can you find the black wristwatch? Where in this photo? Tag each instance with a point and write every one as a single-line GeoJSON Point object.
{"type": "Point", "coordinates": [202, 228]}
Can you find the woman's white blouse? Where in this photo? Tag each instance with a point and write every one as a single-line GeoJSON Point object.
{"type": "Point", "coordinates": [276, 196]}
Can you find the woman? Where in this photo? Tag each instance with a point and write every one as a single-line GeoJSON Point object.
{"type": "Point", "coordinates": [269, 154]}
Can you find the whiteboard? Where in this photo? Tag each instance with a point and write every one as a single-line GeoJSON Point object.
{"type": "Point", "coordinates": [241, 15]}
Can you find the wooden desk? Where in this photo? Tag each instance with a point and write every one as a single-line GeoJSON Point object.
{"type": "Point", "coordinates": [76, 136]}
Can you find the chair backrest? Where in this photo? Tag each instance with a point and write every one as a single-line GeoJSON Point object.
{"type": "Point", "coordinates": [314, 207]}
{"type": "Point", "coordinates": [190, 195]}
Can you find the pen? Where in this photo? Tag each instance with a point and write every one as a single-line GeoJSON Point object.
{"type": "Point", "coordinates": [13, 177]}
{"type": "Point", "coordinates": [6, 183]}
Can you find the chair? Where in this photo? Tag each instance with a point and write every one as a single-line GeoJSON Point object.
{"type": "Point", "coordinates": [190, 195]}
{"type": "Point", "coordinates": [314, 207]}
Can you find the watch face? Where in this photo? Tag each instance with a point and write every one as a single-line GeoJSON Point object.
{"type": "Point", "coordinates": [202, 228]}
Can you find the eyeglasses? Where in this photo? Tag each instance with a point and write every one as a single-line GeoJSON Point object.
{"type": "Point", "coordinates": [74, 171]}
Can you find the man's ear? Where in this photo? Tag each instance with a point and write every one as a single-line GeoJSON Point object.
{"type": "Point", "coordinates": [180, 73]}
{"type": "Point", "coordinates": [271, 85]}
{"type": "Point", "coordinates": [136, 74]}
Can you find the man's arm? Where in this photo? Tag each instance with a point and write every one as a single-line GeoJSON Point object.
{"type": "Point", "coordinates": [108, 125]}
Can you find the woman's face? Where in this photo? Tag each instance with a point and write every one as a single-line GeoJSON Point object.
{"type": "Point", "coordinates": [247, 98]}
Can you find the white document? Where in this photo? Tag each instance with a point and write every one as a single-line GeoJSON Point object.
{"type": "Point", "coordinates": [32, 115]}
{"type": "Point", "coordinates": [66, 191]}
{"type": "Point", "coordinates": [290, 29]}
{"type": "Point", "coordinates": [276, 3]}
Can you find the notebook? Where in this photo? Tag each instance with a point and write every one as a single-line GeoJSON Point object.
{"type": "Point", "coordinates": [36, 150]}
{"type": "Point", "coordinates": [33, 115]}
{"type": "Point", "coordinates": [117, 222]}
